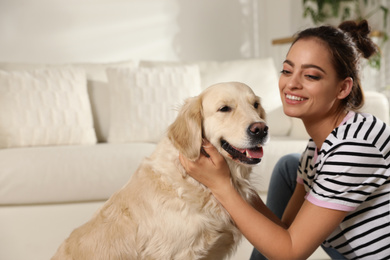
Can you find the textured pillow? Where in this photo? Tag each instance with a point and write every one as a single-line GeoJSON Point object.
{"type": "Point", "coordinates": [98, 90]}
{"type": "Point", "coordinates": [45, 107]}
{"type": "Point", "coordinates": [144, 101]}
{"type": "Point", "coordinates": [259, 74]}
{"type": "Point", "coordinates": [96, 83]}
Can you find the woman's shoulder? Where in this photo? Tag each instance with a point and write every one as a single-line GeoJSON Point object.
{"type": "Point", "coordinates": [362, 131]}
{"type": "Point", "coordinates": [361, 127]}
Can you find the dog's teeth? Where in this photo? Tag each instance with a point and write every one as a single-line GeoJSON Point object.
{"type": "Point", "coordinates": [247, 154]}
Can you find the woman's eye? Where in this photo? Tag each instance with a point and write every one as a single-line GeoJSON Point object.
{"type": "Point", "coordinates": [225, 109]}
{"type": "Point", "coordinates": [313, 77]}
{"type": "Point", "coordinates": [285, 72]}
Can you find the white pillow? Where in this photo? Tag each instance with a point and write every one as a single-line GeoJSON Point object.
{"type": "Point", "coordinates": [259, 74]}
{"type": "Point", "coordinates": [96, 83]}
{"type": "Point", "coordinates": [98, 90]}
{"type": "Point", "coordinates": [45, 107]}
{"type": "Point", "coordinates": [144, 101]}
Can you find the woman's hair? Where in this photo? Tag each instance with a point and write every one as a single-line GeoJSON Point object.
{"type": "Point", "coordinates": [346, 45]}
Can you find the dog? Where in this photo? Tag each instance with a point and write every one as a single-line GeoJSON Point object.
{"type": "Point", "coordinates": [163, 213]}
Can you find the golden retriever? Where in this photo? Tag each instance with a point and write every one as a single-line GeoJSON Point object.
{"type": "Point", "coordinates": [163, 213]}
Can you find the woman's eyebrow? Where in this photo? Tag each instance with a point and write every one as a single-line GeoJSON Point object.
{"type": "Point", "coordinates": [305, 66]}
{"type": "Point", "coordinates": [289, 63]}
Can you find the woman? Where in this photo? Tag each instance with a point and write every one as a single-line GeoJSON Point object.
{"type": "Point", "coordinates": [341, 184]}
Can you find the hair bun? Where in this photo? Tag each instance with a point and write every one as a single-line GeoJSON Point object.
{"type": "Point", "coordinates": [360, 35]}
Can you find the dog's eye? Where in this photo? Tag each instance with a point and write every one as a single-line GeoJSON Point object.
{"type": "Point", "coordinates": [225, 109]}
{"type": "Point", "coordinates": [256, 105]}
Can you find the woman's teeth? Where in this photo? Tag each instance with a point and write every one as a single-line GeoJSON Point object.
{"type": "Point", "coordinates": [294, 97]}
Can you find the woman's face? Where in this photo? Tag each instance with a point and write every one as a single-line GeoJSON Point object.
{"type": "Point", "coordinates": [308, 85]}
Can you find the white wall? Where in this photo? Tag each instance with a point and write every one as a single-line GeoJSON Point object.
{"type": "Point", "coordinates": [65, 31]}
{"type": "Point", "coordinates": [61, 31]}
{"type": "Point", "coordinates": [87, 30]}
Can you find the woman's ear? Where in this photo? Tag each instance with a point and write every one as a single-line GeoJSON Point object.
{"type": "Point", "coordinates": [186, 131]}
{"type": "Point", "coordinates": [345, 88]}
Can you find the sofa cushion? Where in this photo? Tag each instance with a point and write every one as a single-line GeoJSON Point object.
{"type": "Point", "coordinates": [376, 104]}
{"type": "Point", "coordinates": [97, 87]}
{"type": "Point", "coordinates": [99, 95]}
{"type": "Point", "coordinates": [67, 173]}
{"type": "Point", "coordinates": [144, 101]}
{"type": "Point", "coordinates": [45, 107]}
{"type": "Point", "coordinates": [259, 74]}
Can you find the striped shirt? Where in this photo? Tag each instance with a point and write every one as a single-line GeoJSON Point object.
{"type": "Point", "coordinates": [351, 173]}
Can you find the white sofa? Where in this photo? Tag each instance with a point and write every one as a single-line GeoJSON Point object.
{"type": "Point", "coordinates": [52, 180]}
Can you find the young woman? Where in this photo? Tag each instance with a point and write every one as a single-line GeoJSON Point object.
{"type": "Point", "coordinates": [340, 184]}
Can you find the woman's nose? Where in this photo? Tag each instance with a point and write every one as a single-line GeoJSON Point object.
{"type": "Point", "coordinates": [294, 82]}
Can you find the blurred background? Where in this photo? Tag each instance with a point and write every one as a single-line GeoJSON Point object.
{"type": "Point", "coordinates": [64, 31]}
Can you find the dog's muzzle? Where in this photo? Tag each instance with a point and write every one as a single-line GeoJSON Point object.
{"type": "Point", "coordinates": [258, 135]}
{"type": "Point", "coordinates": [247, 155]}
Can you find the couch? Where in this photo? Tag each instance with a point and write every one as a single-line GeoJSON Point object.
{"type": "Point", "coordinates": [72, 134]}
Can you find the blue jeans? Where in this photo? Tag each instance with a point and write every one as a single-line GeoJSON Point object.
{"type": "Point", "coordinates": [281, 188]}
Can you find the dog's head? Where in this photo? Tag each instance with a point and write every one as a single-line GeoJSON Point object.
{"type": "Point", "coordinates": [230, 116]}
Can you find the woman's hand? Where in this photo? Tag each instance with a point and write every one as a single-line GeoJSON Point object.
{"type": "Point", "coordinates": [210, 169]}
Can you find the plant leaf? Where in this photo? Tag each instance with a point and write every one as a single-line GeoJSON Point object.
{"type": "Point", "coordinates": [385, 15]}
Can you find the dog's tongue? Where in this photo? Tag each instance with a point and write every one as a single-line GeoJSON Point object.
{"type": "Point", "coordinates": [252, 153]}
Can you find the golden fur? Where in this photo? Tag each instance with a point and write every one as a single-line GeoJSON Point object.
{"type": "Point", "coordinates": [162, 213]}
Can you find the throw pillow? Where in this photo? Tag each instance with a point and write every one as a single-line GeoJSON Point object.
{"type": "Point", "coordinates": [45, 107]}
{"type": "Point", "coordinates": [144, 101]}
{"type": "Point", "coordinates": [96, 83]}
{"type": "Point", "coordinates": [259, 74]}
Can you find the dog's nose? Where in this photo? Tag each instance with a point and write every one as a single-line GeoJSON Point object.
{"type": "Point", "coordinates": [258, 130]}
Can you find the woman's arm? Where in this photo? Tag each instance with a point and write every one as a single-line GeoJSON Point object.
{"type": "Point", "coordinates": [294, 205]}
{"type": "Point", "coordinates": [259, 205]}
{"type": "Point", "coordinates": [307, 230]}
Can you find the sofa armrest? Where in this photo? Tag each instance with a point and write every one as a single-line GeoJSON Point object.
{"type": "Point", "coordinates": [376, 104]}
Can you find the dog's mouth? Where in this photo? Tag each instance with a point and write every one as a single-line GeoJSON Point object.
{"type": "Point", "coordinates": [248, 155]}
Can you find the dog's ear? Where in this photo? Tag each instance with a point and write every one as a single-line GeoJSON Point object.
{"type": "Point", "coordinates": [186, 131]}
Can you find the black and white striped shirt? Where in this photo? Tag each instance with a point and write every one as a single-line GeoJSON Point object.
{"type": "Point", "coordinates": [351, 173]}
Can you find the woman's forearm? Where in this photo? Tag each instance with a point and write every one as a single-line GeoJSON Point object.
{"type": "Point", "coordinates": [259, 205]}
{"type": "Point", "coordinates": [260, 226]}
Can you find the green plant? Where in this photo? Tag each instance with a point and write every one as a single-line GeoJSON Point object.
{"type": "Point", "coordinates": [321, 11]}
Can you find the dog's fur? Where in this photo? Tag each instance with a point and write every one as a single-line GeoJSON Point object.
{"type": "Point", "coordinates": [162, 213]}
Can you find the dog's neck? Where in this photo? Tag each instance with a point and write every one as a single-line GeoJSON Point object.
{"type": "Point", "coordinates": [240, 175]}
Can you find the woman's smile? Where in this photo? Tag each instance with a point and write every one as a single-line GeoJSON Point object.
{"type": "Point", "coordinates": [293, 99]}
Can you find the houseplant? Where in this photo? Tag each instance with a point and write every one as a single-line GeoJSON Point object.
{"type": "Point", "coordinates": [336, 11]}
